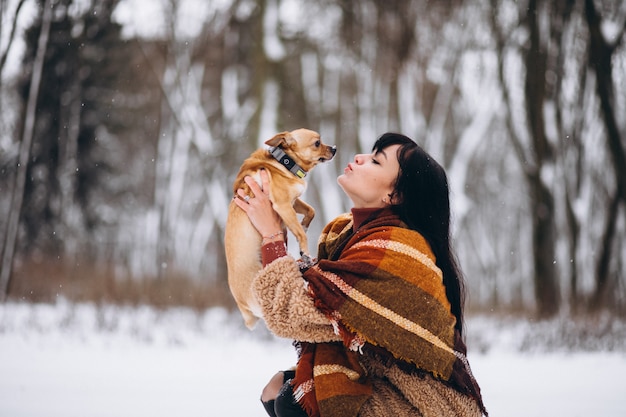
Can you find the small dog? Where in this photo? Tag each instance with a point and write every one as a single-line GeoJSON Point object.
{"type": "Point", "coordinates": [290, 156]}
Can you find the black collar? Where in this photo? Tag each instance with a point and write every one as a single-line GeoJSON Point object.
{"type": "Point", "coordinates": [287, 162]}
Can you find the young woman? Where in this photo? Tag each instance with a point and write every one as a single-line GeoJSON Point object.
{"type": "Point", "coordinates": [378, 320]}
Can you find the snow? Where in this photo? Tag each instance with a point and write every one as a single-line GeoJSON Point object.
{"type": "Point", "coordinates": [87, 360]}
{"type": "Point", "coordinates": [105, 361]}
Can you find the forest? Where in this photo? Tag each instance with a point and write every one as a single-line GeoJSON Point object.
{"type": "Point", "coordinates": [124, 122]}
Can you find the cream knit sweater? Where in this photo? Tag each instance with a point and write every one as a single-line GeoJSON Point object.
{"type": "Point", "coordinates": [289, 312]}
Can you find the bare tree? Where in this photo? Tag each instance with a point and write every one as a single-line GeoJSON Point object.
{"type": "Point", "coordinates": [475, 100]}
{"type": "Point", "coordinates": [600, 60]}
{"type": "Point", "coordinates": [571, 146]}
{"type": "Point", "coordinates": [27, 137]}
{"type": "Point", "coordinates": [535, 156]}
{"type": "Point", "coordinates": [3, 59]}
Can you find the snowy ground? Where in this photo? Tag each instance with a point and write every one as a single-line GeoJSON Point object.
{"type": "Point", "coordinates": [88, 361]}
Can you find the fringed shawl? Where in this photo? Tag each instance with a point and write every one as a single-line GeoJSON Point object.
{"type": "Point", "coordinates": [381, 288]}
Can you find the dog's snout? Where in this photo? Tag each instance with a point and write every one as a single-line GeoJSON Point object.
{"type": "Point", "coordinates": [329, 153]}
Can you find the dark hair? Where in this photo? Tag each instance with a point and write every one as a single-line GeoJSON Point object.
{"type": "Point", "coordinates": [421, 199]}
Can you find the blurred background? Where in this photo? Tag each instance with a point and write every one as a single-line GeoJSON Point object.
{"type": "Point", "coordinates": [124, 122]}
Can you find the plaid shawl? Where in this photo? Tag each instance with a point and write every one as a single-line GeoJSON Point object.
{"type": "Point", "coordinates": [381, 288]}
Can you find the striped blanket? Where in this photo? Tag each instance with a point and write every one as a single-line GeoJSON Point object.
{"type": "Point", "coordinates": [381, 288]}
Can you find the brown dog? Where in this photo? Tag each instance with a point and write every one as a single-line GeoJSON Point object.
{"type": "Point", "coordinates": [290, 156]}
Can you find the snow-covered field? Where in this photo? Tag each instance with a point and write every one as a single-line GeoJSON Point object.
{"type": "Point", "coordinates": [87, 361]}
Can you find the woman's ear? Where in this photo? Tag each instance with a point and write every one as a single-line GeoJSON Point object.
{"type": "Point", "coordinates": [394, 199]}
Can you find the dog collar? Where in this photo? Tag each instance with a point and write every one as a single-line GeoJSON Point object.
{"type": "Point", "coordinates": [287, 162]}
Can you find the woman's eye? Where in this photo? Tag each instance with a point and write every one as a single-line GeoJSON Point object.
{"type": "Point", "coordinates": [375, 161]}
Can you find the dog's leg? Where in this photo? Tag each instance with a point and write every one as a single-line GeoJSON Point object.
{"type": "Point", "coordinates": [303, 208]}
{"type": "Point", "coordinates": [290, 218]}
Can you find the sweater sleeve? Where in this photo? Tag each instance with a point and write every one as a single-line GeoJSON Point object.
{"type": "Point", "coordinates": [272, 251]}
{"type": "Point", "coordinates": [287, 308]}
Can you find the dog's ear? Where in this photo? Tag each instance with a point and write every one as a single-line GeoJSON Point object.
{"type": "Point", "coordinates": [280, 139]}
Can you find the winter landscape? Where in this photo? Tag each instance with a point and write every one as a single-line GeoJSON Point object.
{"type": "Point", "coordinates": [199, 84]}
{"type": "Point", "coordinates": [68, 360]}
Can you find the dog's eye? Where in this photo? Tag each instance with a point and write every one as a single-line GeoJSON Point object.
{"type": "Point", "coordinates": [317, 144]}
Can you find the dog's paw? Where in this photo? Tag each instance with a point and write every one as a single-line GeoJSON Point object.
{"type": "Point", "coordinates": [305, 261]}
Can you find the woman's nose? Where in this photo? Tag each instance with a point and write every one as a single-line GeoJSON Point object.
{"type": "Point", "coordinates": [359, 158]}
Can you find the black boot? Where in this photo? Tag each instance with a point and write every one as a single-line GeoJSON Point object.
{"type": "Point", "coordinates": [269, 407]}
{"type": "Point", "coordinates": [284, 405]}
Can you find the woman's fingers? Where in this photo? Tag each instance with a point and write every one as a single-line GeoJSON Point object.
{"type": "Point", "coordinates": [257, 205]}
{"type": "Point", "coordinates": [265, 181]}
{"type": "Point", "coordinates": [254, 187]}
{"type": "Point", "coordinates": [240, 200]}
{"type": "Point", "coordinates": [256, 191]}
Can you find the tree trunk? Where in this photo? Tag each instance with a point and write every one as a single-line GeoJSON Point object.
{"type": "Point", "coordinates": [600, 59]}
{"type": "Point", "coordinates": [602, 267]}
{"type": "Point", "coordinates": [3, 60]}
{"type": "Point", "coordinates": [532, 161]}
{"type": "Point", "coordinates": [543, 237]}
{"type": "Point", "coordinates": [27, 138]}
{"type": "Point", "coordinates": [574, 238]}
{"type": "Point", "coordinates": [542, 200]}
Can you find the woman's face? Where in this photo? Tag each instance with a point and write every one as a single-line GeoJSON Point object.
{"type": "Point", "coordinates": [369, 180]}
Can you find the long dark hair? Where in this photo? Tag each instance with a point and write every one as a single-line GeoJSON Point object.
{"type": "Point", "coordinates": [421, 199]}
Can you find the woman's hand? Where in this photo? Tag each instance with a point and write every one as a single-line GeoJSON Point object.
{"type": "Point", "coordinates": [259, 208]}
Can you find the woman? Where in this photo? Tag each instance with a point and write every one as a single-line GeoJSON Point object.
{"type": "Point", "coordinates": [378, 320]}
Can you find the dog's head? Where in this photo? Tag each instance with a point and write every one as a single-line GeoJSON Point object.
{"type": "Point", "coordinates": [304, 146]}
